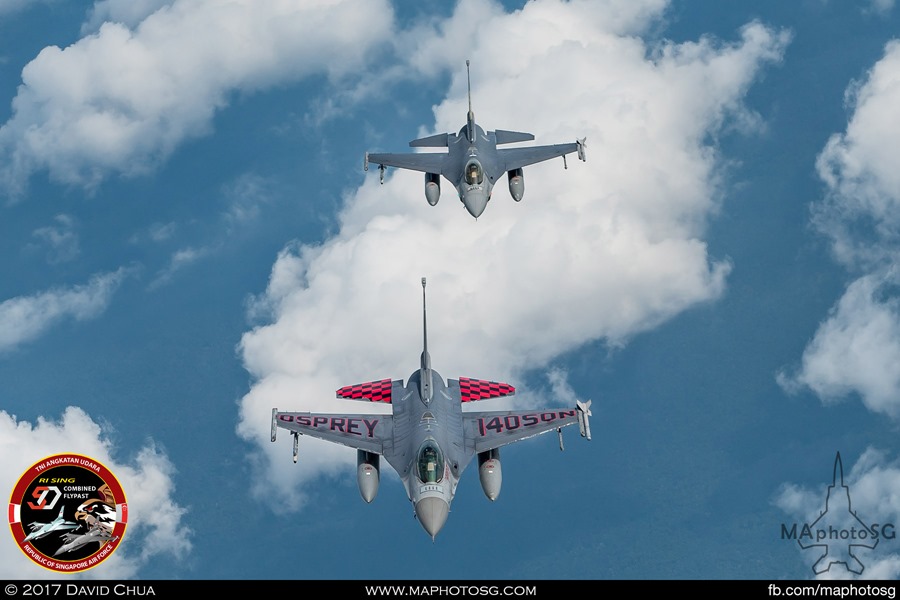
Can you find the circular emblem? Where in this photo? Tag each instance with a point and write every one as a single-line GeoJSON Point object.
{"type": "Point", "coordinates": [68, 513]}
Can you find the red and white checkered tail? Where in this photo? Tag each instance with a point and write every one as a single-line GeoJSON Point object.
{"type": "Point", "coordinates": [373, 391]}
{"type": "Point", "coordinates": [471, 390]}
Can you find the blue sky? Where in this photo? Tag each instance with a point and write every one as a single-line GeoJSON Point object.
{"type": "Point", "coordinates": [188, 240]}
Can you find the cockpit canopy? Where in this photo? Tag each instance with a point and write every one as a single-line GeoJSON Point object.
{"type": "Point", "coordinates": [474, 173]}
{"type": "Point", "coordinates": [431, 462]}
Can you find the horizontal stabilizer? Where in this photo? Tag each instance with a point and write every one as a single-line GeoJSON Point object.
{"type": "Point", "coordinates": [373, 391]}
{"type": "Point", "coordinates": [433, 141]}
{"type": "Point", "coordinates": [471, 390]}
{"type": "Point", "coordinates": [508, 137]}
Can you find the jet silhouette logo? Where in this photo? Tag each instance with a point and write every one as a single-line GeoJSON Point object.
{"type": "Point", "coordinates": [838, 533]}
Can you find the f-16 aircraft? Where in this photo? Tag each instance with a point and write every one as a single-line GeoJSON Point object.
{"type": "Point", "coordinates": [428, 438]}
{"type": "Point", "coordinates": [473, 163]}
{"type": "Point", "coordinates": [39, 530]}
{"type": "Point", "coordinates": [74, 541]}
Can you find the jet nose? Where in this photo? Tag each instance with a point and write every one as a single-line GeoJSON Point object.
{"type": "Point", "coordinates": [475, 204]}
{"type": "Point", "coordinates": [432, 514]}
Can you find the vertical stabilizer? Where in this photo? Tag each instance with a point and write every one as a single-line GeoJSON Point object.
{"type": "Point", "coordinates": [425, 362]}
{"type": "Point", "coordinates": [470, 118]}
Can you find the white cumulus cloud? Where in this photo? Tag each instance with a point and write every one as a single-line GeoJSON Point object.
{"type": "Point", "coordinates": [118, 101]}
{"type": "Point", "coordinates": [857, 346]}
{"type": "Point", "coordinates": [861, 212]}
{"type": "Point", "coordinates": [856, 350]}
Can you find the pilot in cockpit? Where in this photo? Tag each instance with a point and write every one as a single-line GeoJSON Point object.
{"type": "Point", "coordinates": [430, 464]}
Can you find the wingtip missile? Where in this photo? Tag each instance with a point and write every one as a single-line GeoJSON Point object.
{"type": "Point", "coordinates": [583, 410]}
{"type": "Point", "coordinates": [274, 423]}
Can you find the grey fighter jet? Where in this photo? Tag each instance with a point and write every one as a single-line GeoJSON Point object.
{"type": "Point", "coordinates": [74, 541]}
{"type": "Point", "coordinates": [39, 530]}
{"type": "Point", "coordinates": [428, 438]}
{"type": "Point", "coordinates": [473, 163]}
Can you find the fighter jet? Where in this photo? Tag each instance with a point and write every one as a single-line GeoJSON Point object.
{"type": "Point", "coordinates": [473, 163]}
{"type": "Point", "coordinates": [428, 438]}
{"type": "Point", "coordinates": [39, 530]}
{"type": "Point", "coordinates": [74, 541]}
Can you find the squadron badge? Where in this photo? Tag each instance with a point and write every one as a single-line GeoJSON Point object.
{"type": "Point", "coordinates": [68, 513]}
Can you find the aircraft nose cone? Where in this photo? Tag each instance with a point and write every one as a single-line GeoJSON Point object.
{"type": "Point", "coordinates": [476, 204]}
{"type": "Point", "coordinates": [432, 514]}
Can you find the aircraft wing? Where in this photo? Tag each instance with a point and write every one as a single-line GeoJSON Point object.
{"type": "Point", "coordinates": [515, 158]}
{"type": "Point", "coordinates": [361, 431]}
{"type": "Point", "coordinates": [427, 162]}
{"type": "Point", "coordinates": [489, 430]}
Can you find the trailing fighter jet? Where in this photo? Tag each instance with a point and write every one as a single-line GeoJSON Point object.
{"type": "Point", "coordinates": [473, 163]}
{"type": "Point", "coordinates": [74, 541]}
{"type": "Point", "coordinates": [428, 438]}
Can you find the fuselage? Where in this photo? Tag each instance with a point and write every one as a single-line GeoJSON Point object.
{"type": "Point", "coordinates": [432, 465]}
{"type": "Point", "coordinates": [476, 162]}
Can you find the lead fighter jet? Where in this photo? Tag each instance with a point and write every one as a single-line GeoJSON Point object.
{"type": "Point", "coordinates": [473, 163]}
{"type": "Point", "coordinates": [428, 439]}
{"type": "Point", "coordinates": [39, 530]}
